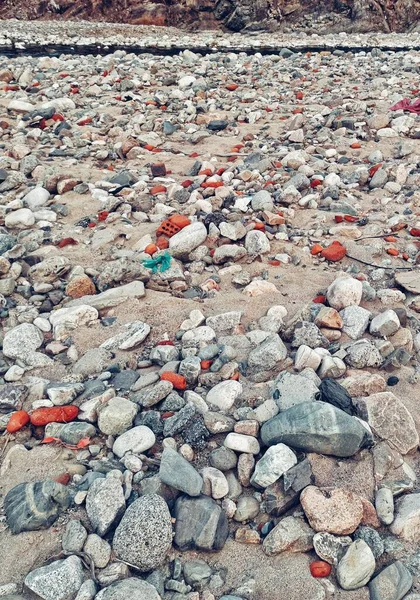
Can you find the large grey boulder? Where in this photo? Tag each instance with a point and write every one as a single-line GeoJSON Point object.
{"type": "Point", "coordinates": [316, 427]}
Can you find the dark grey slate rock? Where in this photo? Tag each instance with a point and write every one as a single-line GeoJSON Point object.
{"type": "Point", "coordinates": [392, 583]}
{"type": "Point", "coordinates": [178, 473]}
{"type": "Point", "coordinates": [154, 485]}
{"type": "Point", "coordinates": [144, 536]}
{"type": "Point", "coordinates": [316, 427]}
{"type": "Point", "coordinates": [33, 506]}
{"type": "Point", "coordinates": [124, 380]}
{"type": "Point", "coordinates": [197, 573]}
{"type": "Point", "coordinates": [151, 419]}
{"type": "Point", "coordinates": [201, 524]}
{"type": "Point", "coordinates": [12, 397]}
{"type": "Point", "coordinates": [217, 125]}
{"type": "Point", "coordinates": [299, 477]}
{"type": "Point", "coordinates": [278, 500]}
{"type": "Point", "coordinates": [334, 393]}
{"type": "Point", "coordinates": [6, 242]}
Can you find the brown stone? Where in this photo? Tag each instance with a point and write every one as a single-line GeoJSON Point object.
{"type": "Point", "coordinates": [6, 75]}
{"type": "Point", "coordinates": [158, 169]}
{"type": "Point", "coordinates": [79, 286]}
{"type": "Point", "coordinates": [128, 145]}
{"type": "Point", "coordinates": [273, 218]}
{"type": "Point", "coordinates": [246, 463]}
{"type": "Point", "coordinates": [370, 517]}
{"type": "Point", "coordinates": [403, 338]}
{"type": "Point", "coordinates": [249, 427]}
{"type": "Point", "coordinates": [332, 335]}
{"type": "Point", "coordinates": [362, 383]}
{"type": "Point", "coordinates": [336, 511]}
{"type": "Point", "coordinates": [66, 185]}
{"type": "Point", "coordinates": [245, 535]}
{"type": "Point", "coordinates": [330, 318]}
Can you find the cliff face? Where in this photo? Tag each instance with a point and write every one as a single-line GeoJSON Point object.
{"type": "Point", "coordinates": [235, 15]}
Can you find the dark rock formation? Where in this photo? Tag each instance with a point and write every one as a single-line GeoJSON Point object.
{"type": "Point", "coordinates": [235, 15]}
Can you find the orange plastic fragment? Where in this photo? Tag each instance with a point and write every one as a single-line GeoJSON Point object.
{"type": "Point", "coordinates": [235, 376]}
{"type": "Point", "coordinates": [158, 189]}
{"type": "Point", "coordinates": [55, 414]}
{"type": "Point", "coordinates": [259, 226]}
{"type": "Point", "coordinates": [334, 252]}
{"type": "Point", "coordinates": [355, 145]}
{"type": "Point", "coordinates": [151, 249]}
{"type": "Point", "coordinates": [392, 251]}
{"type": "Point", "coordinates": [319, 299]}
{"type": "Point", "coordinates": [206, 364]}
{"type": "Point", "coordinates": [17, 420]}
{"type": "Point", "coordinates": [231, 87]}
{"type": "Point", "coordinates": [316, 249]}
{"type": "Point", "coordinates": [391, 239]}
{"type": "Point", "coordinates": [415, 232]}
{"type": "Point", "coordinates": [178, 381]}
{"type": "Point", "coordinates": [212, 184]}
{"type": "Point", "coordinates": [187, 183]}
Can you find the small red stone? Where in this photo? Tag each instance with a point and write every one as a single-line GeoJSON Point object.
{"type": "Point", "coordinates": [315, 183]}
{"type": "Point", "coordinates": [319, 299]}
{"type": "Point", "coordinates": [334, 252]}
{"type": "Point", "coordinates": [320, 568]}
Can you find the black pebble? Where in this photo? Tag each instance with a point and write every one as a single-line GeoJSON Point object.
{"type": "Point", "coordinates": [392, 380]}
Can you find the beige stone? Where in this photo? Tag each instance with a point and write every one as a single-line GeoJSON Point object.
{"type": "Point", "coordinates": [336, 511]}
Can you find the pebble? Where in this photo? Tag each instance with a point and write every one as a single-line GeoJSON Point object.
{"type": "Point", "coordinates": [59, 580]}
{"type": "Point", "coordinates": [392, 582]}
{"type": "Point", "coordinates": [356, 567]}
{"type": "Point", "coordinates": [178, 473]}
{"type": "Point", "coordinates": [321, 509]}
{"type": "Point", "coordinates": [33, 506]}
{"type": "Point", "coordinates": [144, 535]}
{"type": "Point", "coordinates": [242, 443]}
{"type": "Point", "coordinates": [105, 504]}
{"type": "Point", "coordinates": [276, 461]}
{"type": "Point", "coordinates": [135, 440]}
{"type": "Point", "coordinates": [289, 535]}
{"type": "Point", "coordinates": [224, 394]}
